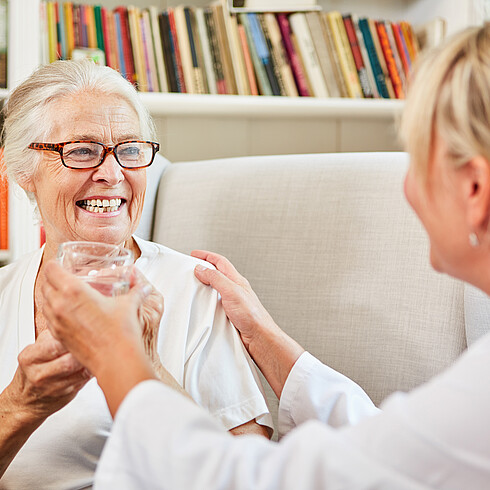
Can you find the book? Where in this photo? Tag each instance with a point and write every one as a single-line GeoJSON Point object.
{"type": "Point", "coordinates": [196, 51]}
{"type": "Point", "coordinates": [238, 58]}
{"type": "Point", "coordinates": [315, 25]}
{"type": "Point", "coordinates": [334, 58]}
{"type": "Point", "coordinates": [299, 26]}
{"type": "Point", "coordinates": [357, 56]}
{"type": "Point", "coordinates": [365, 57]}
{"type": "Point", "coordinates": [185, 50]}
{"type": "Point", "coordinates": [279, 55]}
{"type": "Point", "coordinates": [120, 48]}
{"type": "Point", "coordinates": [206, 50]}
{"type": "Point", "coordinates": [3, 43]}
{"type": "Point", "coordinates": [61, 25]}
{"type": "Point", "coordinates": [402, 48]}
{"type": "Point", "coordinates": [168, 53]}
{"type": "Point", "coordinates": [158, 49]}
{"type": "Point", "coordinates": [215, 52]}
{"type": "Point", "coordinates": [44, 41]}
{"type": "Point", "coordinates": [274, 60]}
{"type": "Point", "coordinates": [252, 82]}
{"type": "Point", "coordinates": [219, 14]}
{"type": "Point", "coordinates": [98, 27]}
{"type": "Point", "coordinates": [263, 81]}
{"type": "Point", "coordinates": [4, 205]}
{"type": "Point", "coordinates": [263, 53]}
{"type": "Point", "coordinates": [52, 33]}
{"type": "Point", "coordinates": [69, 30]}
{"type": "Point", "coordinates": [107, 34]}
{"type": "Point", "coordinates": [127, 50]}
{"type": "Point", "coordinates": [394, 50]}
{"type": "Point", "coordinates": [410, 39]}
{"type": "Point", "coordinates": [150, 62]}
{"type": "Point", "coordinates": [381, 57]}
{"type": "Point", "coordinates": [176, 51]}
{"type": "Point", "coordinates": [390, 60]}
{"type": "Point", "coordinates": [342, 46]}
{"type": "Point", "coordinates": [379, 76]}
{"type": "Point", "coordinates": [296, 67]}
{"type": "Point", "coordinates": [137, 48]}
{"type": "Point", "coordinates": [91, 30]}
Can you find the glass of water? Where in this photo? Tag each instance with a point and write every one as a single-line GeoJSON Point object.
{"type": "Point", "coordinates": [105, 267]}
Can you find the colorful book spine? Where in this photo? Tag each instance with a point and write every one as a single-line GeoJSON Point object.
{"type": "Point", "coordinates": [309, 55]}
{"type": "Point", "coordinates": [4, 206]}
{"type": "Point", "coordinates": [356, 54]}
{"type": "Point", "coordinates": [176, 48]}
{"type": "Point", "coordinates": [158, 49]}
{"type": "Point", "coordinates": [248, 61]}
{"type": "Point", "coordinates": [296, 66]}
{"type": "Point", "coordinates": [344, 52]}
{"type": "Point", "coordinates": [390, 60]}
{"type": "Point", "coordinates": [402, 48]}
{"type": "Point", "coordinates": [215, 52]}
{"type": "Point", "coordinates": [262, 79]}
{"type": "Point", "coordinates": [263, 52]}
{"type": "Point", "coordinates": [168, 53]}
{"type": "Point", "coordinates": [379, 77]}
{"type": "Point", "coordinates": [120, 46]}
{"type": "Point", "coordinates": [206, 50]}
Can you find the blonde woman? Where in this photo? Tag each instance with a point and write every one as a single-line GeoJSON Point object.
{"type": "Point", "coordinates": [434, 437]}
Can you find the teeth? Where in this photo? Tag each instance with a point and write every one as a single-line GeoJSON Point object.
{"type": "Point", "coordinates": [101, 205]}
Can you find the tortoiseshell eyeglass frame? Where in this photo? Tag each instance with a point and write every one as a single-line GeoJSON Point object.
{"type": "Point", "coordinates": [58, 147]}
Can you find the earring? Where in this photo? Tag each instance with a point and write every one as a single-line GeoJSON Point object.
{"type": "Point", "coordinates": [473, 238]}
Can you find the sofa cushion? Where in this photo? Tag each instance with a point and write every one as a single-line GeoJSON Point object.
{"type": "Point", "coordinates": [333, 250]}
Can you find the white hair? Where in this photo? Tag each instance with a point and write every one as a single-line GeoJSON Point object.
{"type": "Point", "coordinates": [27, 119]}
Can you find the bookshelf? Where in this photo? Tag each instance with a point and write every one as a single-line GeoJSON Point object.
{"type": "Point", "coordinates": [192, 127]}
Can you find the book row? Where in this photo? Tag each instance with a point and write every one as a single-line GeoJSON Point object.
{"type": "Point", "coordinates": [210, 50]}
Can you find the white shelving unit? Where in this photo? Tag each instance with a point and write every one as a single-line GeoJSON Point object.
{"type": "Point", "coordinates": [194, 127]}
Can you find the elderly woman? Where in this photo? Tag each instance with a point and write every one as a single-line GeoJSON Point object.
{"type": "Point", "coordinates": [434, 437]}
{"type": "Point", "coordinates": [78, 141]}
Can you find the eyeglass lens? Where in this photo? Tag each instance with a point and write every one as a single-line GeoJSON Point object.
{"type": "Point", "coordinates": [86, 154]}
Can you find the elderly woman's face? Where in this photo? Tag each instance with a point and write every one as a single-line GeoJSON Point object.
{"type": "Point", "coordinates": [62, 193]}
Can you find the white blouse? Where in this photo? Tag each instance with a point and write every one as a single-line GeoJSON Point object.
{"type": "Point", "coordinates": [197, 344]}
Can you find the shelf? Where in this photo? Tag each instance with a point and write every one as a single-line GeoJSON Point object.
{"type": "Point", "coordinates": [266, 107]}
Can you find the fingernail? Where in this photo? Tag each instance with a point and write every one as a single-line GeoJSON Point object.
{"type": "Point", "coordinates": [200, 268]}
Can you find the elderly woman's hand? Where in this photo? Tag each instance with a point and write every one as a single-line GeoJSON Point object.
{"type": "Point", "coordinates": [46, 379]}
{"type": "Point", "coordinates": [150, 314]}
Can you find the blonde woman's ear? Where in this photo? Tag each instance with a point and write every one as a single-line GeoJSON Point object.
{"type": "Point", "coordinates": [476, 175]}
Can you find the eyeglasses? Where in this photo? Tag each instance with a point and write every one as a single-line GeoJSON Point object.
{"type": "Point", "coordinates": [82, 155]}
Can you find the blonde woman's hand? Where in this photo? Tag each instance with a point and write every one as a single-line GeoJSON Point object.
{"type": "Point", "coordinates": [241, 304]}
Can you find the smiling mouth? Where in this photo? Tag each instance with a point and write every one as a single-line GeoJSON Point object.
{"type": "Point", "coordinates": [100, 205]}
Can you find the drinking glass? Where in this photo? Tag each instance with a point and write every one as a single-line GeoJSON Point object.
{"type": "Point", "coordinates": [105, 267]}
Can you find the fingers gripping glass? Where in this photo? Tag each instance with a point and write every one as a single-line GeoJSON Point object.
{"type": "Point", "coordinates": [90, 154]}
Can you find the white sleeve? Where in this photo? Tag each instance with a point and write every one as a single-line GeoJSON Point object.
{"type": "Point", "coordinates": [314, 391]}
{"type": "Point", "coordinates": [435, 437]}
{"type": "Point", "coordinates": [160, 440]}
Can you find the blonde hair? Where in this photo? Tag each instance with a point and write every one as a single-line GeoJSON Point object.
{"type": "Point", "coordinates": [26, 117]}
{"type": "Point", "coordinates": [450, 93]}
